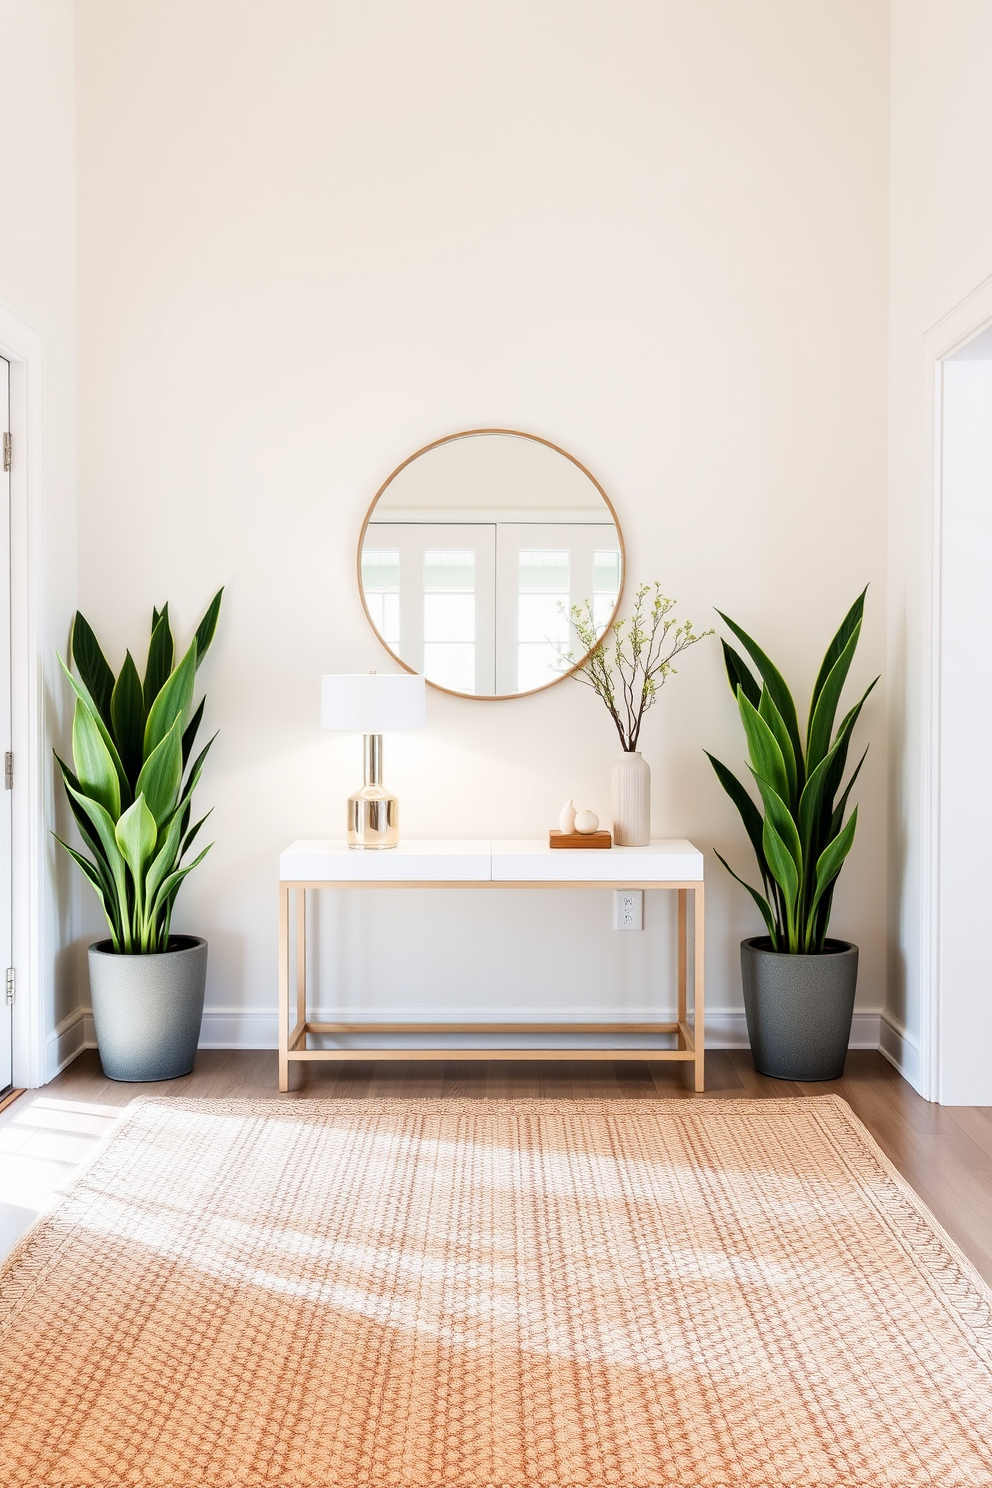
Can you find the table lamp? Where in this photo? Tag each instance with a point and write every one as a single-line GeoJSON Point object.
{"type": "Point", "coordinates": [371, 704]}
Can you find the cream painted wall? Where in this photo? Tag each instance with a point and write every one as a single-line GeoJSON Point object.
{"type": "Point", "coordinates": [313, 237]}
{"type": "Point", "coordinates": [941, 250]}
{"type": "Point", "coordinates": [38, 333]}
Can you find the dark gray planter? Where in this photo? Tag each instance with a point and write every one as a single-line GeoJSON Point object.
{"type": "Point", "coordinates": [799, 1008]}
{"type": "Point", "coordinates": [148, 1009]}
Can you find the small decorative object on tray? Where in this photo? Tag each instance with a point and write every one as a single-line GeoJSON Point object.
{"type": "Point", "coordinates": [578, 829]}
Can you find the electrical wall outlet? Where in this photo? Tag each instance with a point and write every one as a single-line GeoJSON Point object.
{"type": "Point", "coordinates": [628, 909]}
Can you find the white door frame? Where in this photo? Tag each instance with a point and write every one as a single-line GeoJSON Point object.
{"type": "Point", "coordinates": [22, 346]}
{"type": "Point", "coordinates": [972, 315]}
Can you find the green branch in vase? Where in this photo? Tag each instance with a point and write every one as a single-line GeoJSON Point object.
{"type": "Point", "coordinates": [628, 672]}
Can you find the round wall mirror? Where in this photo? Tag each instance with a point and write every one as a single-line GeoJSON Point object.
{"type": "Point", "coordinates": [474, 551]}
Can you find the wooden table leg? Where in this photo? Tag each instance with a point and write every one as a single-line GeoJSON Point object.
{"type": "Point", "coordinates": [301, 958]}
{"type": "Point", "coordinates": [284, 892]}
{"type": "Point", "coordinates": [683, 938]}
{"type": "Point", "coordinates": [699, 983]}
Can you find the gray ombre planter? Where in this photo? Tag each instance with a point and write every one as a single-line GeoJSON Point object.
{"type": "Point", "coordinates": [799, 1008]}
{"type": "Point", "coordinates": [148, 1009]}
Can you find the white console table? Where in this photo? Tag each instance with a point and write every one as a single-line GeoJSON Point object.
{"type": "Point", "coordinates": [484, 864]}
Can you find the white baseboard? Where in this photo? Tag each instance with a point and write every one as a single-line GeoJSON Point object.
{"type": "Point", "coordinates": [246, 1028]}
{"type": "Point", "coordinates": [239, 1028]}
{"type": "Point", "coordinates": [69, 1038]}
{"type": "Point", "coordinates": [901, 1049]}
{"type": "Point", "coordinates": [726, 1028]}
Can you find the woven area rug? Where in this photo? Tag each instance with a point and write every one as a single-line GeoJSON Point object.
{"type": "Point", "coordinates": [403, 1293]}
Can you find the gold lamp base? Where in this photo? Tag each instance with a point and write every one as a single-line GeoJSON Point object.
{"type": "Point", "coordinates": [373, 819]}
{"type": "Point", "coordinates": [373, 813]}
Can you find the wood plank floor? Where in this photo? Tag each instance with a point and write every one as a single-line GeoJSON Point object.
{"type": "Point", "coordinates": [945, 1152]}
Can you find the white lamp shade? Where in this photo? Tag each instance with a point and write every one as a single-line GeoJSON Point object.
{"type": "Point", "coordinates": [372, 703]}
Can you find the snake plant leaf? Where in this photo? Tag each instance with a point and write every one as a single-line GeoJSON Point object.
{"type": "Point", "coordinates": [190, 837]}
{"type": "Point", "coordinates": [84, 826]}
{"type": "Point", "coordinates": [104, 827]}
{"type": "Point", "coordinates": [127, 716]}
{"type": "Point", "coordinates": [739, 674]}
{"type": "Point", "coordinates": [136, 834]}
{"type": "Point", "coordinates": [838, 813]}
{"type": "Point", "coordinates": [95, 769]}
{"type": "Point", "coordinates": [92, 665]}
{"type": "Point", "coordinates": [67, 774]}
{"type": "Point", "coordinates": [831, 860]}
{"type": "Point", "coordinates": [773, 680]}
{"type": "Point", "coordinates": [106, 902]}
{"type": "Point", "coordinates": [768, 711]}
{"type": "Point", "coordinates": [196, 770]}
{"type": "Point", "coordinates": [192, 728]}
{"type": "Point", "coordinates": [161, 654]}
{"type": "Point", "coordinates": [83, 822]}
{"type": "Point", "coordinates": [92, 844]}
{"type": "Point", "coordinates": [821, 721]}
{"type": "Point", "coordinates": [786, 875]}
{"type": "Point", "coordinates": [781, 818]}
{"type": "Point", "coordinates": [207, 626]}
{"type": "Point", "coordinates": [167, 889]}
{"type": "Point", "coordinates": [104, 830]}
{"type": "Point", "coordinates": [759, 900]}
{"type": "Point", "coordinates": [749, 813]}
{"type": "Point", "coordinates": [810, 816]}
{"type": "Point", "coordinates": [161, 775]}
{"type": "Point", "coordinates": [836, 775]}
{"type": "Point", "coordinates": [164, 862]}
{"type": "Point", "coordinates": [83, 695]}
{"type": "Point", "coordinates": [184, 808]}
{"type": "Point", "coordinates": [173, 701]}
{"type": "Point", "coordinates": [851, 622]}
{"type": "Point", "coordinates": [822, 920]}
{"type": "Point", "coordinates": [766, 756]}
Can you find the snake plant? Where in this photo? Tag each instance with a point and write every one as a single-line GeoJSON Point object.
{"type": "Point", "coordinates": [801, 838]}
{"type": "Point", "coordinates": [132, 788]}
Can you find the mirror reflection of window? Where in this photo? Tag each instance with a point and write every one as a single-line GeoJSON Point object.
{"type": "Point", "coordinates": [542, 619]}
{"type": "Point", "coordinates": [473, 552]}
{"type": "Point", "coordinates": [381, 582]}
{"type": "Point", "coordinates": [605, 585]}
{"type": "Point", "coordinates": [449, 618]}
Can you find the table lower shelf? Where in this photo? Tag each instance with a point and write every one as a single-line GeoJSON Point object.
{"type": "Point", "coordinates": [297, 1050]}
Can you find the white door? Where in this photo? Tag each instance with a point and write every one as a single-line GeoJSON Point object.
{"type": "Point", "coordinates": [5, 795]}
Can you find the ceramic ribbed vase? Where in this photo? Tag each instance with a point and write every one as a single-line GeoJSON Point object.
{"type": "Point", "coordinates": [630, 781]}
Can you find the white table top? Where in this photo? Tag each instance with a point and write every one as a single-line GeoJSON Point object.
{"type": "Point", "coordinates": [490, 861]}
{"type": "Point", "coordinates": [460, 860]}
{"type": "Point", "coordinates": [664, 860]}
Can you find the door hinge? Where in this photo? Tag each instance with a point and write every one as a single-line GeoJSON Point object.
{"type": "Point", "coordinates": [10, 986]}
{"type": "Point", "coordinates": [6, 452]}
{"type": "Point", "coordinates": [8, 771]}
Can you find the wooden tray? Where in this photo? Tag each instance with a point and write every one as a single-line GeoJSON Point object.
{"type": "Point", "coordinates": [557, 838]}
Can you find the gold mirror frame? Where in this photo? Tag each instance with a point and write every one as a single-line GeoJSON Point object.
{"type": "Point", "coordinates": [490, 697]}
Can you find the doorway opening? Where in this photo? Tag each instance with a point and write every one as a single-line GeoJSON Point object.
{"type": "Point", "coordinates": [961, 1026]}
{"type": "Point", "coordinates": [6, 976]}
